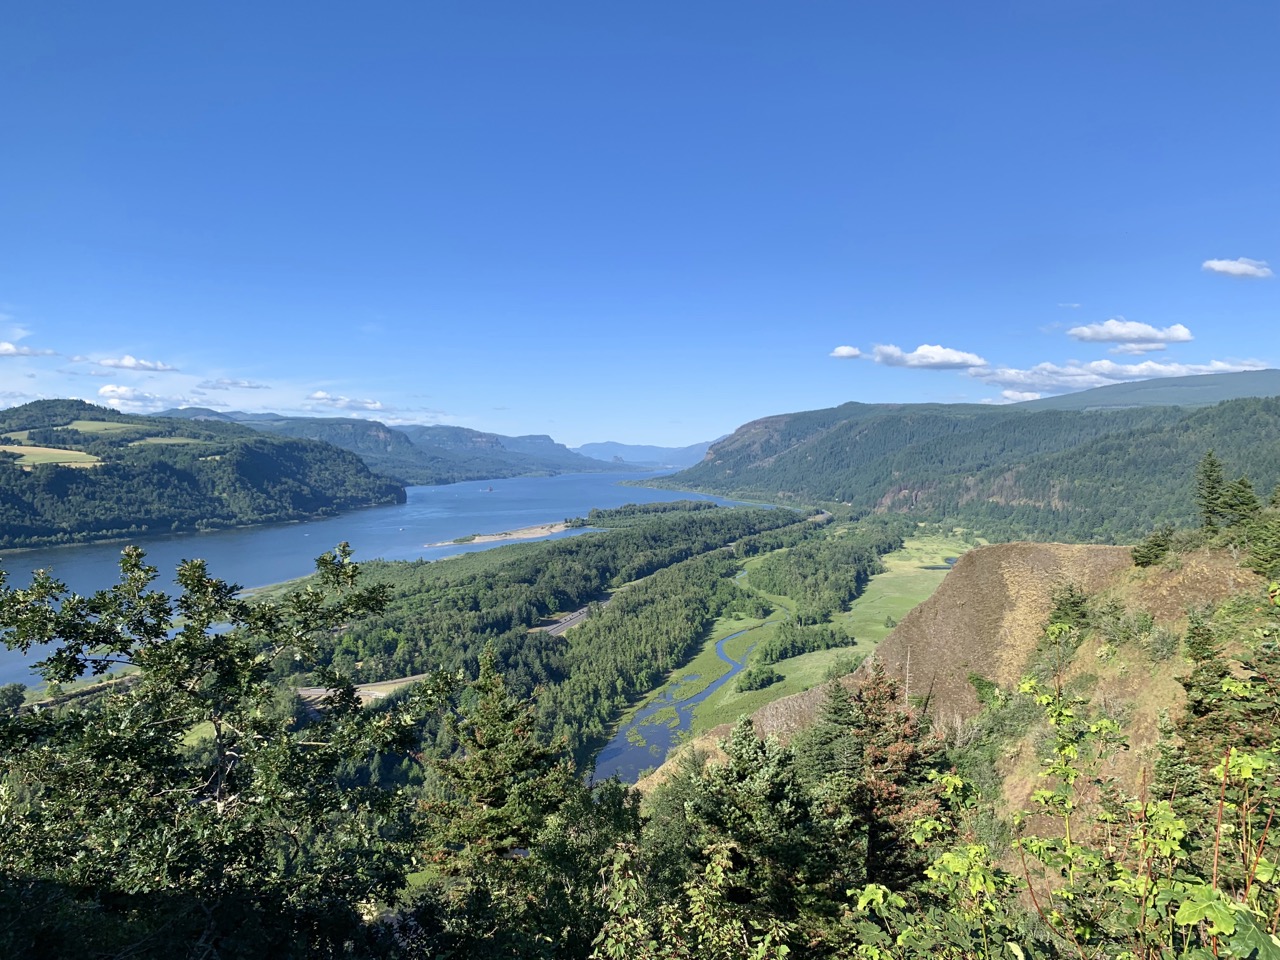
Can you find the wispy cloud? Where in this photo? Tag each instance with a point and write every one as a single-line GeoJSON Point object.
{"type": "Point", "coordinates": [927, 356]}
{"type": "Point", "coordinates": [1071, 306]}
{"type": "Point", "coordinates": [845, 353]}
{"type": "Point", "coordinates": [8, 349]}
{"type": "Point", "coordinates": [222, 383]}
{"type": "Point", "coordinates": [1239, 267]}
{"type": "Point", "coordinates": [12, 329]}
{"type": "Point", "coordinates": [128, 362]}
{"type": "Point", "coordinates": [1074, 375]}
{"type": "Point", "coordinates": [1130, 336]}
{"type": "Point", "coordinates": [322, 398]}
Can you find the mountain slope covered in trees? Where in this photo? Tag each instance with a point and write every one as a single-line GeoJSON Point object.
{"type": "Point", "coordinates": [1101, 476]}
{"type": "Point", "coordinates": [73, 472]}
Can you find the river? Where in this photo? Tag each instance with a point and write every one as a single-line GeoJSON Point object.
{"type": "Point", "coordinates": [257, 556]}
{"type": "Point", "coordinates": [645, 741]}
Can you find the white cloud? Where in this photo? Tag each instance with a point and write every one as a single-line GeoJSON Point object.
{"type": "Point", "coordinates": [927, 356]}
{"type": "Point", "coordinates": [133, 400]}
{"type": "Point", "coordinates": [128, 362]}
{"type": "Point", "coordinates": [222, 383]}
{"type": "Point", "coordinates": [8, 349]}
{"type": "Point", "coordinates": [343, 403]}
{"type": "Point", "coordinates": [1120, 330]}
{"type": "Point", "coordinates": [1239, 267]}
{"type": "Point", "coordinates": [1071, 306]}
{"type": "Point", "coordinates": [845, 353]}
{"type": "Point", "coordinates": [1018, 396]}
{"type": "Point", "coordinates": [1074, 375]}
{"type": "Point", "coordinates": [1130, 336]}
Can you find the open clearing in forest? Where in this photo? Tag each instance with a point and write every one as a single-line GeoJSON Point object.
{"type": "Point", "coordinates": [30, 456]}
{"type": "Point", "coordinates": [98, 426]}
{"type": "Point", "coordinates": [911, 576]}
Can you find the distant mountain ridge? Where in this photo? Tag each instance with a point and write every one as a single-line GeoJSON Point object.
{"type": "Point", "coordinates": [1110, 469]}
{"type": "Point", "coordinates": [1196, 391]}
{"type": "Point", "coordinates": [419, 453]}
{"type": "Point", "coordinates": [645, 456]}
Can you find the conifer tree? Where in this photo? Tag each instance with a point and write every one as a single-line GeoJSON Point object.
{"type": "Point", "coordinates": [1210, 487]}
{"type": "Point", "coordinates": [1240, 503]}
{"type": "Point", "coordinates": [502, 781]}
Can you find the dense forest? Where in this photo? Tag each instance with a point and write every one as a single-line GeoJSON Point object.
{"type": "Point", "coordinates": [1086, 476]}
{"type": "Point", "coordinates": [143, 475]}
{"type": "Point", "coordinates": [203, 811]}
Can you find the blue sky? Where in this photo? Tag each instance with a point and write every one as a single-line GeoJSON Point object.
{"type": "Point", "coordinates": [639, 222]}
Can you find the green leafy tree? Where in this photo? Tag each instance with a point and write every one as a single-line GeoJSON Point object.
{"type": "Point", "coordinates": [11, 697]}
{"type": "Point", "coordinates": [186, 808]}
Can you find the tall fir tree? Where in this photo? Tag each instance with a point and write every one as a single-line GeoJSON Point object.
{"type": "Point", "coordinates": [1210, 488]}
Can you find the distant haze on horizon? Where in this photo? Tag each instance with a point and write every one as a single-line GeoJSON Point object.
{"type": "Point", "coordinates": [642, 225]}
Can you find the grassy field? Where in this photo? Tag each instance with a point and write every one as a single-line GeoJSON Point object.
{"type": "Point", "coordinates": [912, 574]}
{"type": "Point", "coordinates": [98, 426]}
{"type": "Point", "coordinates": [30, 456]}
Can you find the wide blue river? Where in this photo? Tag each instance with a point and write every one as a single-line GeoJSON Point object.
{"type": "Point", "coordinates": [256, 556]}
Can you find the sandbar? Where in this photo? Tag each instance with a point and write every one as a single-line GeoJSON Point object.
{"type": "Point", "coordinates": [524, 533]}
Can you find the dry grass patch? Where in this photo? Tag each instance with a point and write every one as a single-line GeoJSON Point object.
{"type": "Point", "coordinates": [31, 456]}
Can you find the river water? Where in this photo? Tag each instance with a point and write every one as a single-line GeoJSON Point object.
{"type": "Point", "coordinates": [257, 556]}
{"type": "Point", "coordinates": [645, 741]}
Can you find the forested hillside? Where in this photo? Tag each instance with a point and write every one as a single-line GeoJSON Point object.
{"type": "Point", "coordinates": [73, 472]}
{"type": "Point", "coordinates": [1102, 476]}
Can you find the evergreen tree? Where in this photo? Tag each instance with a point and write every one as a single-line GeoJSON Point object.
{"type": "Point", "coordinates": [1240, 503]}
{"type": "Point", "coordinates": [1210, 491]}
{"type": "Point", "coordinates": [1154, 548]}
{"type": "Point", "coordinates": [1264, 546]}
{"type": "Point", "coordinates": [501, 783]}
